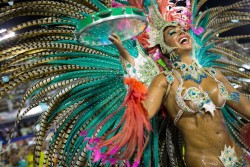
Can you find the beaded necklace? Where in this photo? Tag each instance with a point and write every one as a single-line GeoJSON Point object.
{"type": "Point", "coordinates": [190, 72]}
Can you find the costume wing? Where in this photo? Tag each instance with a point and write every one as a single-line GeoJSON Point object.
{"type": "Point", "coordinates": [210, 40]}
{"type": "Point", "coordinates": [210, 50]}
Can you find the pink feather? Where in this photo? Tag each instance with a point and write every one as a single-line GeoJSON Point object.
{"type": "Point", "coordinates": [134, 133]}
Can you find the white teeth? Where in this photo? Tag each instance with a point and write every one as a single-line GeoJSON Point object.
{"type": "Point", "coordinates": [183, 40]}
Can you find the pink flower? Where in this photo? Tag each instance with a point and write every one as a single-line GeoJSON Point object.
{"type": "Point", "coordinates": [115, 4]}
{"type": "Point", "coordinates": [97, 154]}
{"type": "Point", "coordinates": [83, 133]}
{"type": "Point", "coordinates": [157, 55]}
{"type": "Point", "coordinates": [114, 151]}
{"type": "Point", "coordinates": [147, 29]}
{"type": "Point", "coordinates": [198, 31]}
{"type": "Point", "coordinates": [136, 163]}
{"type": "Point", "coordinates": [188, 4]}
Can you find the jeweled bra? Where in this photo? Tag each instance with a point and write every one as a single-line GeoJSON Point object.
{"type": "Point", "coordinates": [198, 97]}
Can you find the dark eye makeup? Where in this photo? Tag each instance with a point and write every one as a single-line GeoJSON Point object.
{"type": "Point", "coordinates": [171, 32]}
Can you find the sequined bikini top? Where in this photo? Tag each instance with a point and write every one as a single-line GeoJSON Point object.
{"type": "Point", "coordinates": [198, 97]}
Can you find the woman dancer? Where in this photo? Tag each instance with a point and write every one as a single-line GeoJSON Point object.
{"type": "Point", "coordinates": [194, 98]}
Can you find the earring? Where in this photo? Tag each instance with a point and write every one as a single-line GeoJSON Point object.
{"type": "Point", "coordinates": [174, 57]}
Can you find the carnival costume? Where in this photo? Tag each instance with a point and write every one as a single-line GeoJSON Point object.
{"type": "Point", "coordinates": [96, 115]}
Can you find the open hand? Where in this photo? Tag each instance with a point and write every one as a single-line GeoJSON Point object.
{"type": "Point", "coordinates": [116, 40]}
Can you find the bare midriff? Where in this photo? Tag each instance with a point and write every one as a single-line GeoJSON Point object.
{"type": "Point", "coordinates": [205, 137]}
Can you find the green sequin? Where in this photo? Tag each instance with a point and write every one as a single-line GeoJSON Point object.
{"type": "Point", "coordinates": [128, 65]}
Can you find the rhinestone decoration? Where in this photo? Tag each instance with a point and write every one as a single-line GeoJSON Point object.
{"type": "Point", "coordinates": [169, 77]}
{"type": "Point", "coordinates": [5, 79]}
{"type": "Point", "coordinates": [190, 72]}
{"type": "Point", "coordinates": [145, 69]}
{"type": "Point", "coordinates": [235, 96]}
{"type": "Point", "coordinates": [228, 157]}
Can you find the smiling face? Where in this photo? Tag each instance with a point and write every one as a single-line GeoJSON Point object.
{"type": "Point", "coordinates": [179, 38]}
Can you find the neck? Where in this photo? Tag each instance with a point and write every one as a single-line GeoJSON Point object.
{"type": "Point", "coordinates": [186, 58]}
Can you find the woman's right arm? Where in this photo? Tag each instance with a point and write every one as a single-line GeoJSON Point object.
{"type": "Point", "coordinates": [156, 92]}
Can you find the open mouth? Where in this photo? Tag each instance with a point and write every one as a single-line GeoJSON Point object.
{"type": "Point", "coordinates": [183, 40]}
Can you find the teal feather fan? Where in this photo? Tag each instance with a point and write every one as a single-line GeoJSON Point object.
{"type": "Point", "coordinates": [81, 86]}
{"type": "Point", "coordinates": [207, 54]}
{"type": "Point", "coordinates": [234, 122]}
{"type": "Point", "coordinates": [201, 50]}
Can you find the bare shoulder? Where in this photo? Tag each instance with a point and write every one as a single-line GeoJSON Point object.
{"type": "Point", "coordinates": [217, 74]}
{"type": "Point", "coordinates": [160, 81]}
{"type": "Point", "coordinates": [222, 78]}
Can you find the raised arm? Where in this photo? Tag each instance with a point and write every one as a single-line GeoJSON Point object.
{"type": "Point", "coordinates": [115, 39]}
{"type": "Point", "coordinates": [240, 103]}
{"type": "Point", "coordinates": [157, 87]}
